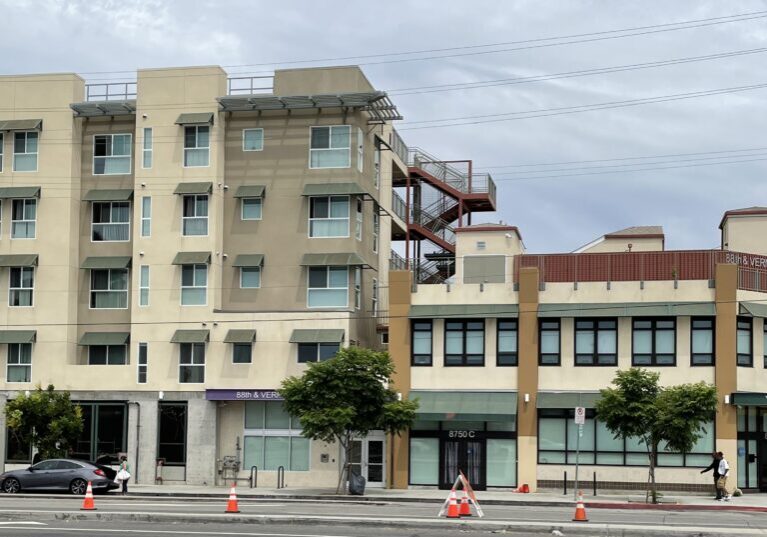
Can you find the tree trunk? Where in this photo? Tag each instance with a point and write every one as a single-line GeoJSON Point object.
{"type": "Point", "coordinates": [653, 461]}
{"type": "Point", "coordinates": [342, 469]}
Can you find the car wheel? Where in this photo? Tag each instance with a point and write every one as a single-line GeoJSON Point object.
{"type": "Point", "coordinates": [11, 485]}
{"type": "Point", "coordinates": [78, 487]}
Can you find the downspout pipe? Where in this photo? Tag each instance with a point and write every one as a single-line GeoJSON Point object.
{"type": "Point", "coordinates": [138, 435]}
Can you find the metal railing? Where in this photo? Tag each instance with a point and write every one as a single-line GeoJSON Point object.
{"type": "Point", "coordinates": [433, 223]}
{"type": "Point", "coordinates": [398, 206]}
{"type": "Point", "coordinates": [396, 261]}
{"type": "Point", "coordinates": [450, 173]}
{"type": "Point", "coordinates": [398, 146]}
{"type": "Point", "coordinates": [249, 85]}
{"type": "Point", "coordinates": [114, 91]}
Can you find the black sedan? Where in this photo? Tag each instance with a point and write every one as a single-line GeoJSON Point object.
{"type": "Point", "coordinates": [58, 474]}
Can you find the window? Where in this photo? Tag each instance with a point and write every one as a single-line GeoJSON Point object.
{"type": "Point", "coordinates": [464, 342]}
{"type": "Point", "coordinates": [25, 151]}
{"type": "Point", "coordinates": [112, 154]}
{"type": "Point", "coordinates": [421, 350]}
{"type": "Point", "coordinates": [146, 216]}
{"type": "Point", "coordinates": [241, 353]}
{"type": "Point", "coordinates": [377, 164]}
{"type": "Point", "coordinates": [16, 449]}
{"type": "Point", "coordinates": [360, 150]}
{"type": "Point", "coordinates": [328, 287]}
{"type": "Point", "coordinates": [143, 285]}
{"type": "Point", "coordinates": [146, 162]}
{"type": "Point", "coordinates": [195, 219]}
{"type": "Point", "coordinates": [21, 286]}
{"type": "Point", "coordinates": [374, 299]}
{"type": "Point", "coordinates": [330, 147]}
{"type": "Point", "coordinates": [191, 363]}
{"type": "Point", "coordinates": [143, 355]}
{"type": "Point", "coordinates": [654, 342]}
{"type": "Point", "coordinates": [2, 143]}
{"type": "Point", "coordinates": [251, 209]}
{"type": "Point", "coordinates": [196, 146]}
{"type": "Point", "coordinates": [357, 287]}
{"type": "Point", "coordinates": [596, 342]}
{"type": "Point", "coordinates": [507, 342]}
{"type": "Point", "coordinates": [358, 220]}
{"type": "Point", "coordinates": [273, 438]}
{"type": "Point", "coordinates": [250, 277]}
{"type": "Point", "coordinates": [745, 355]}
{"type": "Point", "coordinates": [316, 352]}
{"type": "Point", "coordinates": [105, 432]}
{"type": "Point", "coordinates": [548, 342]}
{"type": "Point", "coordinates": [764, 344]}
{"type": "Point", "coordinates": [329, 216]}
{"type": "Point", "coordinates": [376, 228]}
{"type": "Point", "coordinates": [194, 285]}
{"type": "Point", "coordinates": [109, 288]}
{"type": "Point", "coordinates": [107, 354]}
{"type": "Point", "coordinates": [23, 218]}
{"type": "Point", "coordinates": [171, 445]}
{"type": "Point", "coordinates": [702, 341]}
{"type": "Point", "coordinates": [19, 362]}
{"type": "Point", "coordinates": [252, 139]}
{"type": "Point", "coordinates": [110, 221]}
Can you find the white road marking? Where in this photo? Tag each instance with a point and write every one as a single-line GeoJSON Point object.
{"type": "Point", "coordinates": [26, 523]}
{"type": "Point", "coordinates": [165, 504]}
{"type": "Point", "coordinates": [184, 532]}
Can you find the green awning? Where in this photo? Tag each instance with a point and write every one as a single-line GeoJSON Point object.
{"type": "Point", "coordinates": [240, 336]}
{"type": "Point", "coordinates": [198, 118]}
{"type": "Point", "coordinates": [105, 338]}
{"type": "Point", "coordinates": [106, 194]}
{"type": "Point", "coordinates": [473, 311]}
{"type": "Point", "coordinates": [567, 399]}
{"type": "Point", "coordinates": [17, 336]}
{"type": "Point", "coordinates": [248, 260]}
{"type": "Point", "coordinates": [324, 260]}
{"type": "Point", "coordinates": [749, 399]}
{"type": "Point", "coordinates": [18, 192]}
{"type": "Point", "coordinates": [21, 125]}
{"type": "Point", "coordinates": [333, 189]}
{"type": "Point", "coordinates": [116, 262]}
{"type": "Point", "coordinates": [756, 309]}
{"type": "Point", "coordinates": [627, 309]}
{"type": "Point", "coordinates": [331, 335]}
{"type": "Point", "coordinates": [465, 406]}
{"type": "Point", "coordinates": [190, 336]}
{"type": "Point", "coordinates": [250, 191]}
{"type": "Point", "coordinates": [18, 260]}
{"type": "Point", "coordinates": [191, 258]}
{"type": "Point", "coordinates": [194, 188]}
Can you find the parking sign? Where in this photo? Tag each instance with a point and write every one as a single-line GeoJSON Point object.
{"type": "Point", "coordinates": [580, 415]}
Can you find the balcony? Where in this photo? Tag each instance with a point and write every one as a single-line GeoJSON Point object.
{"type": "Point", "coordinates": [114, 91]}
{"type": "Point", "coordinates": [249, 85]}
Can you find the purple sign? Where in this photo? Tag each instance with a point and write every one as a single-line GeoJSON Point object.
{"type": "Point", "coordinates": [242, 395]}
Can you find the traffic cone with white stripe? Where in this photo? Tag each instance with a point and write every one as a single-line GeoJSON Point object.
{"type": "Point", "coordinates": [88, 504]}
{"type": "Point", "coordinates": [465, 506]}
{"type": "Point", "coordinates": [452, 507]}
{"type": "Point", "coordinates": [580, 510]}
{"type": "Point", "coordinates": [231, 506]}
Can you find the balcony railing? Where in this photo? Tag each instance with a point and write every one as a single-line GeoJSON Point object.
{"type": "Point", "coordinates": [249, 85]}
{"type": "Point", "coordinates": [398, 146]}
{"type": "Point", "coordinates": [114, 91]}
{"type": "Point", "coordinates": [398, 206]}
{"type": "Point", "coordinates": [397, 262]}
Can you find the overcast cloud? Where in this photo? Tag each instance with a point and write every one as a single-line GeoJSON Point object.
{"type": "Point", "coordinates": [554, 214]}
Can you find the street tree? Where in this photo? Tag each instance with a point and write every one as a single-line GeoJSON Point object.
{"type": "Point", "coordinates": [346, 397]}
{"type": "Point", "coordinates": [673, 417]}
{"type": "Point", "coordinates": [45, 419]}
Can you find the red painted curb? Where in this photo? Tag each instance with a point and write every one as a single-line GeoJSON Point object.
{"type": "Point", "coordinates": [676, 507]}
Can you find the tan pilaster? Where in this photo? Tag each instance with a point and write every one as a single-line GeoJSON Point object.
{"type": "Point", "coordinates": [726, 369]}
{"type": "Point", "coordinates": [527, 423]}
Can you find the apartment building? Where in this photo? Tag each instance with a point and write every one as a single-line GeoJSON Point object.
{"type": "Point", "coordinates": [501, 352]}
{"type": "Point", "coordinates": [178, 245]}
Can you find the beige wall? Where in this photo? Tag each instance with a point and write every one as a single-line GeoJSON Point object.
{"type": "Point", "coordinates": [638, 244]}
{"type": "Point", "coordinates": [745, 234]}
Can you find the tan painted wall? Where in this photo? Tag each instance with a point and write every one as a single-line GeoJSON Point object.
{"type": "Point", "coordinates": [399, 350]}
{"type": "Point", "coordinates": [320, 80]}
{"type": "Point", "coordinates": [527, 423]}
{"type": "Point", "coordinates": [745, 234]}
{"type": "Point", "coordinates": [622, 245]}
{"type": "Point", "coordinates": [496, 242]}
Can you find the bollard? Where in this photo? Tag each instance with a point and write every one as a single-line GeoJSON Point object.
{"type": "Point", "coordinates": [565, 482]}
{"type": "Point", "coordinates": [254, 476]}
{"type": "Point", "coordinates": [595, 483]}
{"type": "Point", "coordinates": [281, 477]}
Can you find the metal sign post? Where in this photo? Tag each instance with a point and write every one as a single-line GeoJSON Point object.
{"type": "Point", "coordinates": [580, 419]}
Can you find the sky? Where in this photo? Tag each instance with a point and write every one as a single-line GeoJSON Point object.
{"type": "Point", "coordinates": [717, 143]}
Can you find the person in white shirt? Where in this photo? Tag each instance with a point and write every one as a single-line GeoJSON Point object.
{"type": "Point", "coordinates": [721, 484]}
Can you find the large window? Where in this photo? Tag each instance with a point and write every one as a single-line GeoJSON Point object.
{"type": "Point", "coordinates": [329, 216]}
{"type": "Point", "coordinates": [548, 346]}
{"type": "Point", "coordinates": [242, 353]}
{"type": "Point", "coordinates": [252, 139]}
{"type": "Point", "coordinates": [250, 277]}
{"type": "Point", "coordinates": [251, 209]}
{"type": "Point", "coordinates": [357, 288]}
{"type": "Point", "coordinates": [146, 216]}
{"type": "Point", "coordinates": [171, 445]}
{"type": "Point", "coordinates": [702, 341]}
{"type": "Point", "coordinates": [195, 219]}
{"type": "Point", "coordinates": [25, 151]}
{"type": "Point", "coordinates": [107, 354]}
{"type": "Point", "coordinates": [196, 146]}
{"type": "Point", "coordinates": [143, 362]}
{"type": "Point", "coordinates": [109, 288]}
{"type": "Point", "coordinates": [596, 342]}
{"type": "Point", "coordinates": [464, 343]}
{"type": "Point", "coordinates": [19, 362]}
{"type": "Point", "coordinates": [24, 218]}
{"type": "Point", "coordinates": [194, 285]}
{"type": "Point", "coordinates": [143, 286]}
{"type": "Point", "coordinates": [111, 221]}
{"type": "Point", "coordinates": [421, 350]}
{"type": "Point", "coordinates": [507, 341]}
{"type": "Point", "coordinates": [330, 147]}
{"type": "Point", "coordinates": [104, 434]}
{"type": "Point", "coordinates": [112, 154]}
{"type": "Point", "coordinates": [147, 149]}
{"type": "Point", "coordinates": [316, 352]}
{"type": "Point", "coordinates": [328, 287]}
{"type": "Point", "coordinates": [376, 228]}
{"type": "Point", "coordinates": [21, 286]}
{"type": "Point", "coordinates": [744, 344]}
{"type": "Point", "coordinates": [358, 219]}
{"type": "Point", "coordinates": [273, 438]}
{"type": "Point", "coordinates": [191, 363]}
{"type": "Point", "coordinates": [654, 342]}
{"type": "Point", "coordinates": [2, 151]}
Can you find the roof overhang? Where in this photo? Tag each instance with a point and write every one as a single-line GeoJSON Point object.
{"type": "Point", "coordinates": [21, 125]}
{"type": "Point", "coordinates": [105, 108]}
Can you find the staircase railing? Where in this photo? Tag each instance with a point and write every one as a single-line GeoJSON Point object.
{"type": "Point", "coordinates": [446, 173]}
{"type": "Point", "coordinates": [439, 227]}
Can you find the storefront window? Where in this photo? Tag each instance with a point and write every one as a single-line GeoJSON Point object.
{"type": "Point", "coordinates": [273, 438]}
{"type": "Point", "coordinates": [16, 451]}
{"type": "Point", "coordinates": [172, 433]}
{"type": "Point", "coordinates": [103, 437]}
{"type": "Point", "coordinates": [501, 462]}
{"type": "Point", "coordinates": [424, 461]}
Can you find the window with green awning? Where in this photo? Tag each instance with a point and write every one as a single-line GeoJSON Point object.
{"type": "Point", "coordinates": [465, 406]}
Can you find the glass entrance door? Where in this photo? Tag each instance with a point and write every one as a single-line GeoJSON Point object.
{"type": "Point", "coordinates": [463, 455]}
{"type": "Point", "coordinates": [367, 458]}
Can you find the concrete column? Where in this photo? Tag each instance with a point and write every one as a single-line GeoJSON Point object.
{"type": "Point", "coordinates": [201, 434]}
{"type": "Point", "coordinates": [3, 430]}
{"type": "Point", "coordinates": [527, 422]}
{"type": "Point", "coordinates": [726, 368]}
{"type": "Point", "coordinates": [399, 350]}
{"type": "Point", "coordinates": [142, 440]}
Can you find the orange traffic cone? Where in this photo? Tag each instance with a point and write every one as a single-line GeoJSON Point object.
{"type": "Point", "coordinates": [231, 506]}
{"type": "Point", "coordinates": [580, 510]}
{"type": "Point", "coordinates": [88, 504]}
{"type": "Point", "coordinates": [465, 506]}
{"type": "Point", "coordinates": [525, 488]}
{"type": "Point", "coordinates": [452, 507]}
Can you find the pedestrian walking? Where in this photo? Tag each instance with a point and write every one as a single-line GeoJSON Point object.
{"type": "Point", "coordinates": [715, 467]}
{"type": "Point", "coordinates": [123, 474]}
{"type": "Point", "coordinates": [721, 484]}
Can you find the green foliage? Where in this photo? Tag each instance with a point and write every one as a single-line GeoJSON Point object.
{"type": "Point", "coordinates": [46, 419]}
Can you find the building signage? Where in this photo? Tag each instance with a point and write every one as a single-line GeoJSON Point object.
{"type": "Point", "coordinates": [462, 434]}
{"type": "Point", "coordinates": [580, 415]}
{"type": "Point", "coordinates": [746, 260]}
{"type": "Point", "coordinates": [242, 395]}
